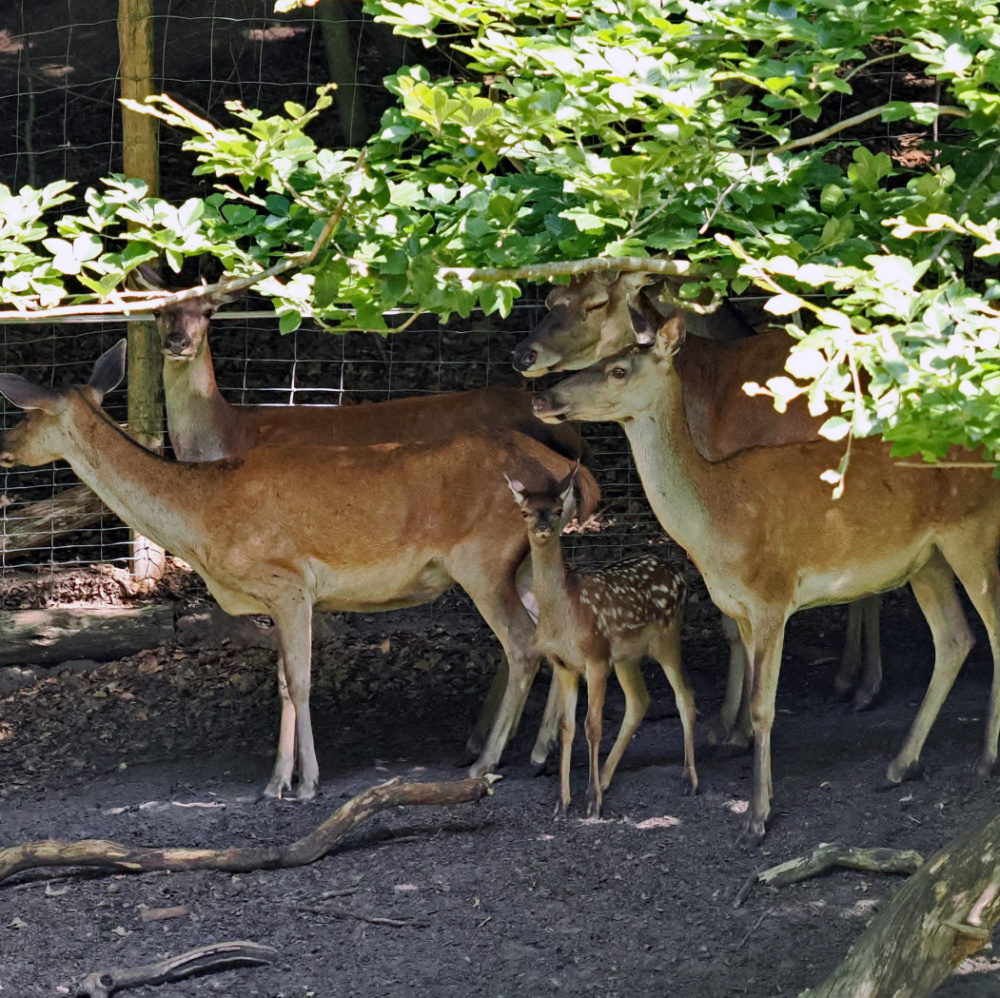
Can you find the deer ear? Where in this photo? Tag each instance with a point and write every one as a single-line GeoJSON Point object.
{"type": "Point", "coordinates": [148, 278]}
{"type": "Point", "coordinates": [645, 334]}
{"type": "Point", "coordinates": [218, 299]}
{"type": "Point", "coordinates": [633, 283]}
{"type": "Point", "coordinates": [516, 488]}
{"type": "Point", "coordinates": [109, 369]}
{"type": "Point", "coordinates": [25, 395]}
{"type": "Point", "coordinates": [670, 337]}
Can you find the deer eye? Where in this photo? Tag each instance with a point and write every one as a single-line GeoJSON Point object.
{"type": "Point", "coordinates": [618, 371]}
{"type": "Point", "coordinates": [208, 313]}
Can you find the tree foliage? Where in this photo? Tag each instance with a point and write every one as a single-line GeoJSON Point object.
{"type": "Point", "coordinates": [753, 139]}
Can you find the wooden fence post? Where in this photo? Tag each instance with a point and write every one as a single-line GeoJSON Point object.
{"type": "Point", "coordinates": [341, 59]}
{"type": "Point", "coordinates": [140, 158]}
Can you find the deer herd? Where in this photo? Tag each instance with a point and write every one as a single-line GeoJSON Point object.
{"type": "Point", "coordinates": [283, 510]}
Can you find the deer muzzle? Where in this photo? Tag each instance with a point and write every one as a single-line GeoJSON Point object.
{"type": "Point", "coordinates": [178, 345]}
{"type": "Point", "coordinates": [549, 409]}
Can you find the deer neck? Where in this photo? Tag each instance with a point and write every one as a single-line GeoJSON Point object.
{"type": "Point", "coordinates": [548, 569]}
{"type": "Point", "coordinates": [677, 480]}
{"type": "Point", "coordinates": [201, 423]}
{"type": "Point", "coordinates": [132, 482]}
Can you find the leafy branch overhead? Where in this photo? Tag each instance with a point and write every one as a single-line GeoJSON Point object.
{"type": "Point", "coordinates": [752, 143]}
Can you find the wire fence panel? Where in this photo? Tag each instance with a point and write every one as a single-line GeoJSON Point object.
{"type": "Point", "coordinates": [58, 92]}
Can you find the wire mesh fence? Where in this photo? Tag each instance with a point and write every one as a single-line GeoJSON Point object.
{"type": "Point", "coordinates": [255, 365]}
{"type": "Point", "coordinates": [58, 92]}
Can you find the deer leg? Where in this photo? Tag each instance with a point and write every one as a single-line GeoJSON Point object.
{"type": "Point", "coordinates": [597, 687]}
{"type": "Point", "coordinates": [294, 624]}
{"type": "Point", "coordinates": [976, 566]}
{"type": "Point", "coordinates": [862, 619]}
{"type": "Point", "coordinates": [667, 649]}
{"type": "Point", "coordinates": [502, 610]}
{"type": "Point", "coordinates": [548, 730]}
{"type": "Point", "coordinates": [630, 678]}
{"type": "Point", "coordinates": [523, 582]}
{"type": "Point", "coordinates": [284, 765]}
{"type": "Point", "coordinates": [934, 587]}
{"type": "Point", "coordinates": [732, 726]}
{"type": "Point", "coordinates": [491, 706]}
{"type": "Point", "coordinates": [871, 676]}
{"type": "Point", "coordinates": [567, 681]}
{"type": "Point", "coordinates": [850, 662]}
{"type": "Point", "coordinates": [764, 644]}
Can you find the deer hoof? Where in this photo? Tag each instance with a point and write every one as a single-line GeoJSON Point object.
{"type": "Point", "coordinates": [727, 742]}
{"type": "Point", "coordinates": [478, 769]}
{"type": "Point", "coordinates": [897, 774]}
{"type": "Point", "coordinates": [752, 835]}
{"type": "Point", "coordinates": [276, 786]}
{"type": "Point", "coordinates": [984, 767]}
{"type": "Point", "coordinates": [305, 791]}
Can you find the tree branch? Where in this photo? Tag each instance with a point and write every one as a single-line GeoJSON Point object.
{"type": "Point", "coordinates": [106, 855]}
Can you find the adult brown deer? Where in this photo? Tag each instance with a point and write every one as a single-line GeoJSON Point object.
{"type": "Point", "coordinates": [769, 540]}
{"type": "Point", "coordinates": [204, 426]}
{"type": "Point", "coordinates": [282, 530]}
{"type": "Point", "coordinates": [592, 622]}
{"type": "Point", "coordinates": [588, 320]}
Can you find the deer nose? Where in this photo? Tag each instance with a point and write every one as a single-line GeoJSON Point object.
{"type": "Point", "coordinates": [178, 343]}
{"type": "Point", "coordinates": [523, 359]}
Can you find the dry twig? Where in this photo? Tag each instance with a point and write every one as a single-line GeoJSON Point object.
{"type": "Point", "coordinates": [204, 960]}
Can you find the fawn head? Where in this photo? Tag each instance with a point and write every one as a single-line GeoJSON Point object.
{"type": "Point", "coordinates": [41, 436]}
{"type": "Point", "coordinates": [548, 511]}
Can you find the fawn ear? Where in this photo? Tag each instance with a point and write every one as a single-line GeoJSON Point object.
{"type": "Point", "coordinates": [516, 488]}
{"type": "Point", "coordinates": [109, 369]}
{"type": "Point", "coordinates": [25, 395]}
{"type": "Point", "coordinates": [567, 493]}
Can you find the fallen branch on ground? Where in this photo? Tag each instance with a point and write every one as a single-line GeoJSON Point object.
{"type": "Point", "coordinates": [106, 855]}
{"type": "Point", "coordinates": [204, 960]}
{"type": "Point", "coordinates": [829, 855]}
{"type": "Point", "coordinates": [37, 523]}
{"type": "Point", "coordinates": [826, 856]}
{"type": "Point", "coordinates": [335, 911]}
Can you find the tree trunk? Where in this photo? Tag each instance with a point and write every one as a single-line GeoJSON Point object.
{"type": "Point", "coordinates": [342, 64]}
{"type": "Point", "coordinates": [48, 637]}
{"type": "Point", "coordinates": [141, 158]}
{"type": "Point", "coordinates": [944, 913]}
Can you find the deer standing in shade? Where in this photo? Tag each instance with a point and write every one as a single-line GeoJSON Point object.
{"type": "Point", "coordinates": [589, 320]}
{"type": "Point", "coordinates": [204, 426]}
{"type": "Point", "coordinates": [593, 622]}
{"type": "Point", "coordinates": [769, 540]}
{"type": "Point", "coordinates": [282, 530]}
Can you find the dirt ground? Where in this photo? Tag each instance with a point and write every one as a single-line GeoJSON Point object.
{"type": "Point", "coordinates": [171, 746]}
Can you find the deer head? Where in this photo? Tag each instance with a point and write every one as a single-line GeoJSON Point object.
{"type": "Point", "coordinates": [548, 511]}
{"type": "Point", "coordinates": [184, 326]}
{"type": "Point", "coordinates": [40, 437]}
{"type": "Point", "coordinates": [621, 386]}
{"type": "Point", "coordinates": [587, 320]}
